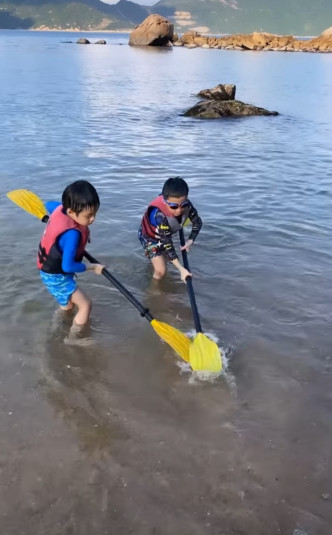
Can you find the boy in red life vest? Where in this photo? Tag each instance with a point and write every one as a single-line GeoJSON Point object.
{"type": "Point", "coordinates": [164, 217]}
{"type": "Point", "coordinates": [62, 247]}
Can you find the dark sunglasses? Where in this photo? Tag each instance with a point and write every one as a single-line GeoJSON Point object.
{"type": "Point", "coordinates": [175, 205]}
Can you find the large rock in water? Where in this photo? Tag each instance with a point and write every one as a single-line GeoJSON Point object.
{"type": "Point", "coordinates": [216, 109]}
{"type": "Point", "coordinates": [155, 30]}
{"type": "Point", "coordinates": [220, 92]}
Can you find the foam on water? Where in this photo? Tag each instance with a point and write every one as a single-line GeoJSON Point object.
{"type": "Point", "coordinates": [205, 376]}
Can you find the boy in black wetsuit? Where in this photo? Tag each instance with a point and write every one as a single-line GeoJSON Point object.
{"type": "Point", "coordinates": [164, 217]}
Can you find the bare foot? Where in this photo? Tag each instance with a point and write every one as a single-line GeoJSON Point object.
{"type": "Point", "coordinates": [76, 329]}
{"type": "Point", "coordinates": [76, 341]}
{"type": "Point", "coordinates": [75, 336]}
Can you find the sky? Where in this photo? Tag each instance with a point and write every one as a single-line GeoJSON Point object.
{"type": "Point", "coordinates": [143, 2]}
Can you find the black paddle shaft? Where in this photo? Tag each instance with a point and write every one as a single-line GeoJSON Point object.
{"type": "Point", "coordinates": [145, 313]}
{"type": "Point", "coordinates": [190, 287]}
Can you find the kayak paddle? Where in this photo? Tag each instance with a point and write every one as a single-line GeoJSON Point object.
{"type": "Point", "coordinates": [204, 354]}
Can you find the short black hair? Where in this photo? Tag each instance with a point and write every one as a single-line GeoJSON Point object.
{"type": "Point", "coordinates": [79, 196]}
{"type": "Point", "coordinates": [175, 187]}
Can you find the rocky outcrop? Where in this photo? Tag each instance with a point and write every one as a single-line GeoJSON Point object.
{"type": "Point", "coordinates": [155, 30]}
{"type": "Point", "coordinates": [220, 103]}
{"type": "Point", "coordinates": [83, 41]}
{"type": "Point", "coordinates": [220, 92]}
{"type": "Point", "coordinates": [216, 109]}
{"type": "Point", "coordinates": [259, 41]}
{"type": "Point", "coordinates": [327, 33]}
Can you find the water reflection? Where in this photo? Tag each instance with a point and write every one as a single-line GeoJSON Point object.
{"type": "Point", "coordinates": [76, 384]}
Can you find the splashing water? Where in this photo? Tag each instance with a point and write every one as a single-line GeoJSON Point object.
{"type": "Point", "coordinates": [206, 376]}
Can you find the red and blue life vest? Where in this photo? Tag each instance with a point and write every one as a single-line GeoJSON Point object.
{"type": "Point", "coordinates": [49, 257]}
{"type": "Point", "coordinates": [150, 230]}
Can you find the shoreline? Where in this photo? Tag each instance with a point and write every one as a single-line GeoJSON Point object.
{"type": "Point", "coordinates": [73, 30]}
{"type": "Point", "coordinates": [243, 42]}
{"type": "Point", "coordinates": [129, 30]}
{"type": "Point", "coordinates": [257, 42]}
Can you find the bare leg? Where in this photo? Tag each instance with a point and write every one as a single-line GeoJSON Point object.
{"type": "Point", "coordinates": [61, 313]}
{"type": "Point", "coordinates": [159, 267]}
{"type": "Point", "coordinates": [68, 307]}
{"type": "Point", "coordinates": [81, 318]}
{"type": "Point", "coordinates": [61, 317]}
{"type": "Point", "coordinates": [83, 304]}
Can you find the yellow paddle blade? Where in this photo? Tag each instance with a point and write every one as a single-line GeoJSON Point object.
{"type": "Point", "coordinates": [30, 202]}
{"type": "Point", "coordinates": [176, 339]}
{"type": "Point", "coordinates": [204, 354]}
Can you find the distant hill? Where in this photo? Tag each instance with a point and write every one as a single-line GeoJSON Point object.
{"type": "Point", "coordinates": [66, 14]}
{"type": "Point", "coordinates": [296, 17]}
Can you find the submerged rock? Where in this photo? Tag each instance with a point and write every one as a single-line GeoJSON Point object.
{"type": "Point", "coordinates": [220, 92]}
{"type": "Point", "coordinates": [83, 41]}
{"type": "Point", "coordinates": [155, 30]}
{"type": "Point", "coordinates": [216, 109]}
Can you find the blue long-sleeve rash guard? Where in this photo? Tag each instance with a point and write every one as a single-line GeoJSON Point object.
{"type": "Point", "coordinates": [68, 244]}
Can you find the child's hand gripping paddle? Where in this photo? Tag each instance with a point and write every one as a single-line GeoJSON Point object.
{"type": "Point", "coordinates": [204, 354]}
{"type": "Point", "coordinates": [31, 203]}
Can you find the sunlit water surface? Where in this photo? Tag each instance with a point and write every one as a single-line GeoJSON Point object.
{"type": "Point", "coordinates": [120, 437]}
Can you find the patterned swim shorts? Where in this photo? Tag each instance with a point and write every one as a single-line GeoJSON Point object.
{"type": "Point", "coordinates": [151, 248]}
{"type": "Point", "coordinates": [60, 286]}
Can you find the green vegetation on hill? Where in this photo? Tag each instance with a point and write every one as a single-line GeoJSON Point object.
{"type": "Point", "coordinates": [296, 17]}
{"type": "Point", "coordinates": [64, 14]}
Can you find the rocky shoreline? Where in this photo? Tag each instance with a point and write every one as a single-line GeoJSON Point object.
{"type": "Point", "coordinates": [257, 41]}
{"type": "Point", "coordinates": [156, 30]}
